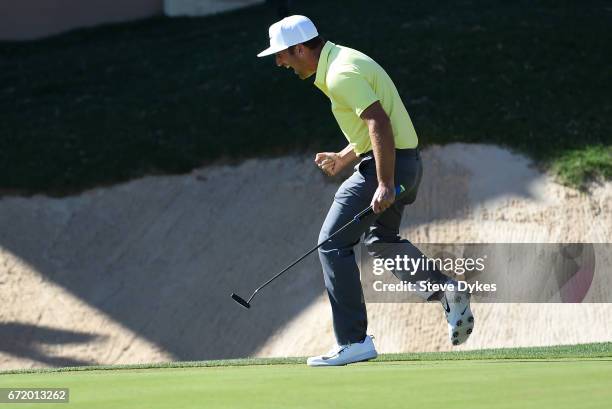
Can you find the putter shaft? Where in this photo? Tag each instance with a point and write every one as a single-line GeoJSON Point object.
{"type": "Point", "coordinates": [357, 218]}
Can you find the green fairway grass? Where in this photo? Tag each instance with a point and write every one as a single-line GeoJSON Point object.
{"type": "Point", "coordinates": [555, 377]}
{"type": "Point", "coordinates": [103, 105]}
{"type": "Point", "coordinates": [479, 384]}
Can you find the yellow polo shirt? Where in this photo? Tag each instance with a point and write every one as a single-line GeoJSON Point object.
{"type": "Point", "coordinates": [353, 81]}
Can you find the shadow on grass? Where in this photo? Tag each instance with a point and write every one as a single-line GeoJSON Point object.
{"type": "Point", "coordinates": [104, 105]}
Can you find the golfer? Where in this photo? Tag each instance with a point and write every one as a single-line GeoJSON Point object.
{"type": "Point", "coordinates": [380, 134]}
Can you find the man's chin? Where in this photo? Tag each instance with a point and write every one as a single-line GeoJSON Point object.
{"type": "Point", "coordinates": [305, 76]}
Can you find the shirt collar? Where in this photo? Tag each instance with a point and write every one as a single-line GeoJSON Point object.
{"type": "Point", "coordinates": [323, 64]}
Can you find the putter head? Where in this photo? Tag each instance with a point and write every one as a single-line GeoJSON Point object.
{"type": "Point", "coordinates": [240, 301]}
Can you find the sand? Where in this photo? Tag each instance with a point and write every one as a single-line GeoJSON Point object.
{"type": "Point", "coordinates": [142, 271]}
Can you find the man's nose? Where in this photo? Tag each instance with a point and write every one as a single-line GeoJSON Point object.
{"type": "Point", "coordinates": [278, 60]}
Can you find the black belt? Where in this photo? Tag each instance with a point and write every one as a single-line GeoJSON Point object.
{"type": "Point", "coordinates": [411, 152]}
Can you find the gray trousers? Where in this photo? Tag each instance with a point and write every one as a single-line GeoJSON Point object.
{"type": "Point", "coordinates": [340, 269]}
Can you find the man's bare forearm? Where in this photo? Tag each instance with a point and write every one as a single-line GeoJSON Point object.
{"type": "Point", "coordinates": [383, 146]}
{"type": "Point", "coordinates": [347, 155]}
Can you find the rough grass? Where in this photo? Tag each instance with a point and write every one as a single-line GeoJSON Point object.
{"type": "Point", "coordinates": [579, 351]}
{"type": "Point", "coordinates": [107, 104]}
{"type": "Point", "coordinates": [578, 165]}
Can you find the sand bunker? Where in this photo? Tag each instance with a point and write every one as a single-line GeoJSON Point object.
{"type": "Point", "coordinates": [142, 271]}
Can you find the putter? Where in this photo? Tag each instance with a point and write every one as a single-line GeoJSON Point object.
{"type": "Point", "coordinates": [357, 218]}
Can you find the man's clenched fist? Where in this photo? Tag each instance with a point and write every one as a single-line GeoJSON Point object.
{"type": "Point", "coordinates": [328, 162]}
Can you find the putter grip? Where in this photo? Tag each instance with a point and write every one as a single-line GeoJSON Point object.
{"type": "Point", "coordinates": [366, 212]}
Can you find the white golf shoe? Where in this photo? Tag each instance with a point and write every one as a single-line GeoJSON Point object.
{"type": "Point", "coordinates": [346, 354]}
{"type": "Point", "coordinates": [459, 316]}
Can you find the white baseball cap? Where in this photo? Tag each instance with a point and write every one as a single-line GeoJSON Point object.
{"type": "Point", "coordinates": [289, 31]}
